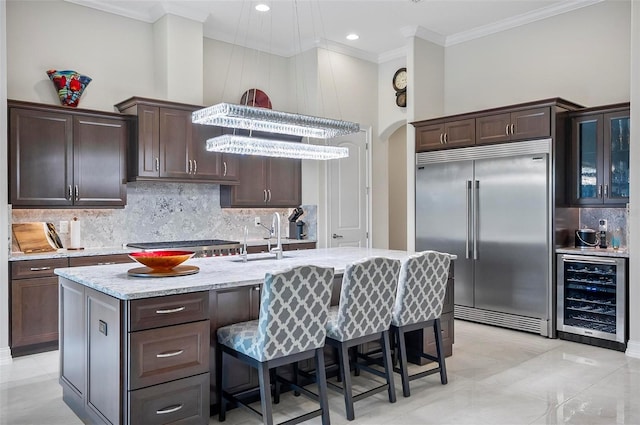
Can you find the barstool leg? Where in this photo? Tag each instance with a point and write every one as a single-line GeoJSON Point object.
{"type": "Point", "coordinates": [222, 406]}
{"type": "Point", "coordinates": [402, 352]}
{"type": "Point", "coordinates": [265, 394]}
{"type": "Point", "coordinates": [440, 354]}
{"type": "Point", "coordinates": [345, 373]}
{"type": "Point", "coordinates": [295, 378]}
{"type": "Point", "coordinates": [321, 377]}
{"type": "Point", "coordinates": [276, 386]}
{"type": "Point", "coordinates": [388, 366]}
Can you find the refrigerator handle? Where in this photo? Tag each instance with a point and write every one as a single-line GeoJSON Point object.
{"type": "Point", "coordinates": [476, 207]}
{"type": "Point", "coordinates": [466, 249]}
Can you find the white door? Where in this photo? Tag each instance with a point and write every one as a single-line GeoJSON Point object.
{"type": "Point", "coordinates": [347, 198]}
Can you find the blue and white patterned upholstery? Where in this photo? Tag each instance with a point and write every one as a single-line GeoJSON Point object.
{"type": "Point", "coordinates": [366, 299]}
{"type": "Point", "coordinates": [421, 288]}
{"type": "Point", "coordinates": [293, 314]}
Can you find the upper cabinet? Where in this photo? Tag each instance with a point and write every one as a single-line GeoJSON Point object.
{"type": "Point", "coordinates": [528, 121]}
{"type": "Point", "coordinates": [168, 146]}
{"type": "Point", "coordinates": [600, 156]}
{"type": "Point", "coordinates": [526, 124]}
{"type": "Point", "coordinates": [265, 181]}
{"type": "Point", "coordinates": [64, 157]}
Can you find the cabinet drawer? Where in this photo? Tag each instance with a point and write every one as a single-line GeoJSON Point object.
{"type": "Point", "coordinates": [37, 268]}
{"type": "Point", "coordinates": [99, 260]}
{"type": "Point", "coordinates": [155, 312]}
{"type": "Point", "coordinates": [165, 354]}
{"type": "Point", "coordinates": [185, 401]}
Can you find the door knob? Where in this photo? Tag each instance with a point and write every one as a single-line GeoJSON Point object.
{"type": "Point", "coordinates": [334, 236]}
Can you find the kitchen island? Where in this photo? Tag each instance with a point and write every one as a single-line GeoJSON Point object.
{"type": "Point", "coordinates": [141, 350]}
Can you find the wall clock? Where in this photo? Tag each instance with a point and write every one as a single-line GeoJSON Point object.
{"type": "Point", "coordinates": [400, 86]}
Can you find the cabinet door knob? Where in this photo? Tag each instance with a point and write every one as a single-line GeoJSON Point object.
{"type": "Point", "coordinates": [506, 129]}
{"type": "Point", "coordinates": [336, 236]}
{"type": "Point", "coordinates": [157, 164]}
{"type": "Point", "coordinates": [77, 193]}
{"type": "Point", "coordinates": [441, 138]}
{"type": "Point", "coordinates": [599, 191]}
{"type": "Point", "coordinates": [446, 138]}
{"type": "Point", "coordinates": [195, 167]}
{"type": "Point", "coordinates": [513, 126]}
{"type": "Point", "coordinates": [224, 166]}
{"type": "Point", "coordinates": [606, 190]}
{"type": "Point", "coordinates": [190, 167]}
{"type": "Point", "coordinates": [69, 193]}
{"type": "Point", "coordinates": [269, 193]}
{"type": "Point", "coordinates": [265, 196]}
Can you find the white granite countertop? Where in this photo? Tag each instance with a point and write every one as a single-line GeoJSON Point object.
{"type": "Point", "coordinates": [65, 253]}
{"type": "Point", "coordinates": [598, 252]}
{"type": "Point", "coordinates": [215, 272]}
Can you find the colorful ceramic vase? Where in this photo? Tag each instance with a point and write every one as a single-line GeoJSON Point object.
{"type": "Point", "coordinates": [69, 84]}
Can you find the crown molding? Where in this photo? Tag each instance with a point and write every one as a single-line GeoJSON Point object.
{"type": "Point", "coordinates": [152, 16]}
{"type": "Point", "coordinates": [516, 21]}
{"type": "Point", "coordinates": [392, 55]}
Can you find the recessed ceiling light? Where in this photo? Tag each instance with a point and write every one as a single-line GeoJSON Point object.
{"type": "Point", "coordinates": [262, 7]}
{"type": "Point", "coordinates": [353, 37]}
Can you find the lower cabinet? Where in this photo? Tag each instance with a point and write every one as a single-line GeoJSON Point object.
{"type": "Point", "coordinates": [33, 314]}
{"type": "Point", "coordinates": [134, 362]}
{"type": "Point", "coordinates": [229, 306]}
{"type": "Point", "coordinates": [33, 292]}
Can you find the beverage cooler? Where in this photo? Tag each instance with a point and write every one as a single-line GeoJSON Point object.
{"type": "Point", "coordinates": [592, 299]}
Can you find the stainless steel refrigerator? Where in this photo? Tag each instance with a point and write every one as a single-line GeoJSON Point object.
{"type": "Point", "coordinates": [491, 206]}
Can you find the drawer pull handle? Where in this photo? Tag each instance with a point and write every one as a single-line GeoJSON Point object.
{"type": "Point", "coordinates": [169, 409]}
{"type": "Point", "coordinates": [106, 263]}
{"type": "Point", "coordinates": [171, 310]}
{"type": "Point", "coordinates": [171, 354]}
{"type": "Point", "coordinates": [39, 269]}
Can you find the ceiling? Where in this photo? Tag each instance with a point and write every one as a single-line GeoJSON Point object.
{"type": "Point", "coordinates": [293, 26]}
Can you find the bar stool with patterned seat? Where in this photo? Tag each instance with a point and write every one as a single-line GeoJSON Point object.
{"type": "Point", "coordinates": [291, 327]}
{"type": "Point", "coordinates": [419, 301]}
{"type": "Point", "coordinates": [364, 315]}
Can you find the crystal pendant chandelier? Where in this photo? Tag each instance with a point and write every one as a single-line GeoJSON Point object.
{"type": "Point", "coordinates": [255, 118]}
{"type": "Point", "coordinates": [232, 143]}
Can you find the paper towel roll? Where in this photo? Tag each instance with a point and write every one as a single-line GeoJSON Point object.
{"type": "Point", "coordinates": [74, 234]}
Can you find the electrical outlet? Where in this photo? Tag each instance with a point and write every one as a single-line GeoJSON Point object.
{"type": "Point", "coordinates": [602, 224]}
{"type": "Point", "coordinates": [257, 221]}
{"type": "Point", "coordinates": [64, 227]}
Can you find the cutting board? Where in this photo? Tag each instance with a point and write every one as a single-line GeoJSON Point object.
{"type": "Point", "coordinates": [33, 237]}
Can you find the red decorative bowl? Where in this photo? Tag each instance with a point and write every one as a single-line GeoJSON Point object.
{"type": "Point", "coordinates": [161, 260]}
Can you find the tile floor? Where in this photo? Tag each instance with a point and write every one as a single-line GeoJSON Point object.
{"type": "Point", "coordinates": [496, 376]}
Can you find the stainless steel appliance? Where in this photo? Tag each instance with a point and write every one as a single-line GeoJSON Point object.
{"type": "Point", "coordinates": [591, 297]}
{"type": "Point", "coordinates": [202, 248]}
{"type": "Point", "coordinates": [491, 206]}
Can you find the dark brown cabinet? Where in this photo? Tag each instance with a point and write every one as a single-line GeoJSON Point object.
{"type": "Point", "coordinates": [600, 156]}
{"type": "Point", "coordinates": [168, 146]}
{"type": "Point", "coordinates": [510, 126]}
{"type": "Point", "coordinates": [33, 318]}
{"type": "Point", "coordinates": [525, 121]}
{"type": "Point", "coordinates": [445, 135]}
{"type": "Point", "coordinates": [61, 157]}
{"type": "Point", "coordinates": [34, 305]}
{"type": "Point", "coordinates": [137, 361]}
{"type": "Point", "coordinates": [265, 182]}
{"type": "Point", "coordinates": [229, 306]}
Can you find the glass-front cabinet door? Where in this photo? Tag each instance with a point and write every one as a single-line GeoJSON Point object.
{"type": "Point", "coordinates": [600, 156]}
{"type": "Point", "coordinates": [616, 157]}
{"type": "Point", "coordinates": [587, 149]}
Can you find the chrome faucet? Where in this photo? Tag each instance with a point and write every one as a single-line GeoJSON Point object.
{"type": "Point", "coordinates": [244, 244]}
{"type": "Point", "coordinates": [275, 226]}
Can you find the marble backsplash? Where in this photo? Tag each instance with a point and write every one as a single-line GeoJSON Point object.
{"type": "Point", "coordinates": [158, 211]}
{"type": "Point", "coordinates": [617, 218]}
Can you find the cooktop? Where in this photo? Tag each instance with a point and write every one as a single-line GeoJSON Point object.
{"type": "Point", "coordinates": [182, 244]}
